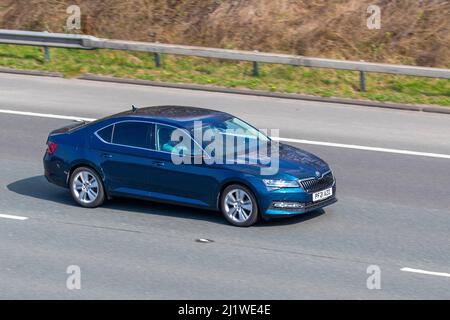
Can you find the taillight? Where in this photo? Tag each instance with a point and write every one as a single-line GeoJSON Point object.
{"type": "Point", "coordinates": [51, 147]}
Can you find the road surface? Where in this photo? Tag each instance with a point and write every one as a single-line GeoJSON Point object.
{"type": "Point", "coordinates": [393, 210]}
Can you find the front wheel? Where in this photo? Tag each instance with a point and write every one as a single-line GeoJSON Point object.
{"type": "Point", "coordinates": [239, 206]}
{"type": "Point", "coordinates": [86, 187]}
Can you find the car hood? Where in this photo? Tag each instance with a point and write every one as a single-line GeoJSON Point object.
{"type": "Point", "coordinates": [294, 163]}
{"type": "Point", "coordinates": [300, 163]}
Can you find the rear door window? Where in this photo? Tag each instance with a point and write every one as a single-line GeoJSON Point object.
{"type": "Point", "coordinates": [133, 134]}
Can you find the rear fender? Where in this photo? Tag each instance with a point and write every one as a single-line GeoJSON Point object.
{"type": "Point", "coordinates": [85, 163]}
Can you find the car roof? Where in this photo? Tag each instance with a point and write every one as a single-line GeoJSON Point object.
{"type": "Point", "coordinates": [181, 115]}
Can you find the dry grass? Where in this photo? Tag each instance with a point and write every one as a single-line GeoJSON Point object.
{"type": "Point", "coordinates": [413, 31]}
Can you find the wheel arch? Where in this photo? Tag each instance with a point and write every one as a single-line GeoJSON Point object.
{"type": "Point", "coordinates": [230, 182]}
{"type": "Point", "coordinates": [85, 163]}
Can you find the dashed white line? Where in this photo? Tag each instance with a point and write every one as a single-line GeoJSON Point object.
{"type": "Point", "coordinates": [310, 142]}
{"type": "Point", "coordinates": [431, 273]}
{"type": "Point", "coordinates": [7, 216]}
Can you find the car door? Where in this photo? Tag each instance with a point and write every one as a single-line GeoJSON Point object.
{"type": "Point", "coordinates": [187, 183]}
{"type": "Point", "coordinates": [126, 157]}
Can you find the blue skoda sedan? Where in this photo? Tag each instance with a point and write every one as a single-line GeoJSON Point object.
{"type": "Point", "coordinates": [131, 154]}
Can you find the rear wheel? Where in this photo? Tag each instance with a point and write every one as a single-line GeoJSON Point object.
{"type": "Point", "coordinates": [239, 206]}
{"type": "Point", "coordinates": [86, 187]}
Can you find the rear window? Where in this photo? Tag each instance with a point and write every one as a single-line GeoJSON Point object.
{"type": "Point", "coordinates": [134, 134]}
{"type": "Point", "coordinates": [106, 133]}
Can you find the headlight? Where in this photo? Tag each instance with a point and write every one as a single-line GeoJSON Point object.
{"type": "Point", "coordinates": [277, 184]}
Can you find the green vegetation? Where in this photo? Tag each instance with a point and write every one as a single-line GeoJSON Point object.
{"type": "Point", "coordinates": [281, 78]}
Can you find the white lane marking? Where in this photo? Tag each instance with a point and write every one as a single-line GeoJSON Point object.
{"type": "Point", "coordinates": [432, 273]}
{"type": "Point", "coordinates": [45, 115]}
{"type": "Point", "coordinates": [318, 143]}
{"type": "Point", "coordinates": [358, 147]}
{"type": "Point", "coordinates": [7, 216]}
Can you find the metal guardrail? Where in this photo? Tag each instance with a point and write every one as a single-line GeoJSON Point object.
{"type": "Point", "coordinates": [44, 39]}
{"type": "Point", "coordinates": [63, 40]}
{"type": "Point", "coordinates": [269, 58]}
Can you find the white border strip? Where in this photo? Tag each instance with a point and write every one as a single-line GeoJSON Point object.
{"type": "Point", "coordinates": [7, 216]}
{"type": "Point", "coordinates": [431, 273]}
{"type": "Point", "coordinates": [317, 143]}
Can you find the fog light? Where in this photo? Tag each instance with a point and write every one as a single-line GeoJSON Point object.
{"type": "Point", "coordinates": [287, 205]}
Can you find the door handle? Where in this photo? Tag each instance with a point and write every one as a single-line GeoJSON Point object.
{"type": "Point", "coordinates": [107, 155]}
{"type": "Point", "coordinates": [158, 163]}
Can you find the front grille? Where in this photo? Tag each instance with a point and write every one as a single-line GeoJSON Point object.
{"type": "Point", "coordinates": [313, 184]}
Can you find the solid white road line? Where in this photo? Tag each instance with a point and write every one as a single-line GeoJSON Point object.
{"type": "Point", "coordinates": [440, 274]}
{"type": "Point", "coordinates": [357, 147]}
{"type": "Point", "coordinates": [318, 143]}
{"type": "Point", "coordinates": [45, 115]}
{"type": "Point", "coordinates": [7, 216]}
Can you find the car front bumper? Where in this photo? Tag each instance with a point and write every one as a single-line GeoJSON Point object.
{"type": "Point", "coordinates": [296, 195]}
{"type": "Point", "coordinates": [279, 213]}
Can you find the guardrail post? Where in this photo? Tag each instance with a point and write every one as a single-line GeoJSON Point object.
{"type": "Point", "coordinates": [362, 81]}
{"type": "Point", "coordinates": [46, 54]}
{"type": "Point", "coordinates": [255, 71]}
{"type": "Point", "coordinates": [157, 59]}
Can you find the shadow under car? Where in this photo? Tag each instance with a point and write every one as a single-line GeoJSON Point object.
{"type": "Point", "coordinates": [38, 187]}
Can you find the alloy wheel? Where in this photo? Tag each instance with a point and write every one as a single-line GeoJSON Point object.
{"type": "Point", "coordinates": [85, 187]}
{"type": "Point", "coordinates": [238, 205]}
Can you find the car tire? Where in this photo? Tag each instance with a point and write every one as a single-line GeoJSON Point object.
{"type": "Point", "coordinates": [239, 206]}
{"type": "Point", "coordinates": [86, 187]}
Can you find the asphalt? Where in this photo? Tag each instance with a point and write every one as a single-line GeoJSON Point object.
{"type": "Point", "coordinates": [393, 209]}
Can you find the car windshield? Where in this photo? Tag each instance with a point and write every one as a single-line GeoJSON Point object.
{"type": "Point", "coordinates": [241, 133]}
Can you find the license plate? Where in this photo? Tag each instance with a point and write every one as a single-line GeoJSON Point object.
{"type": "Point", "coordinates": [317, 196]}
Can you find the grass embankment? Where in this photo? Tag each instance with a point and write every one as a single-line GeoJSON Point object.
{"type": "Point", "coordinates": [320, 82]}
